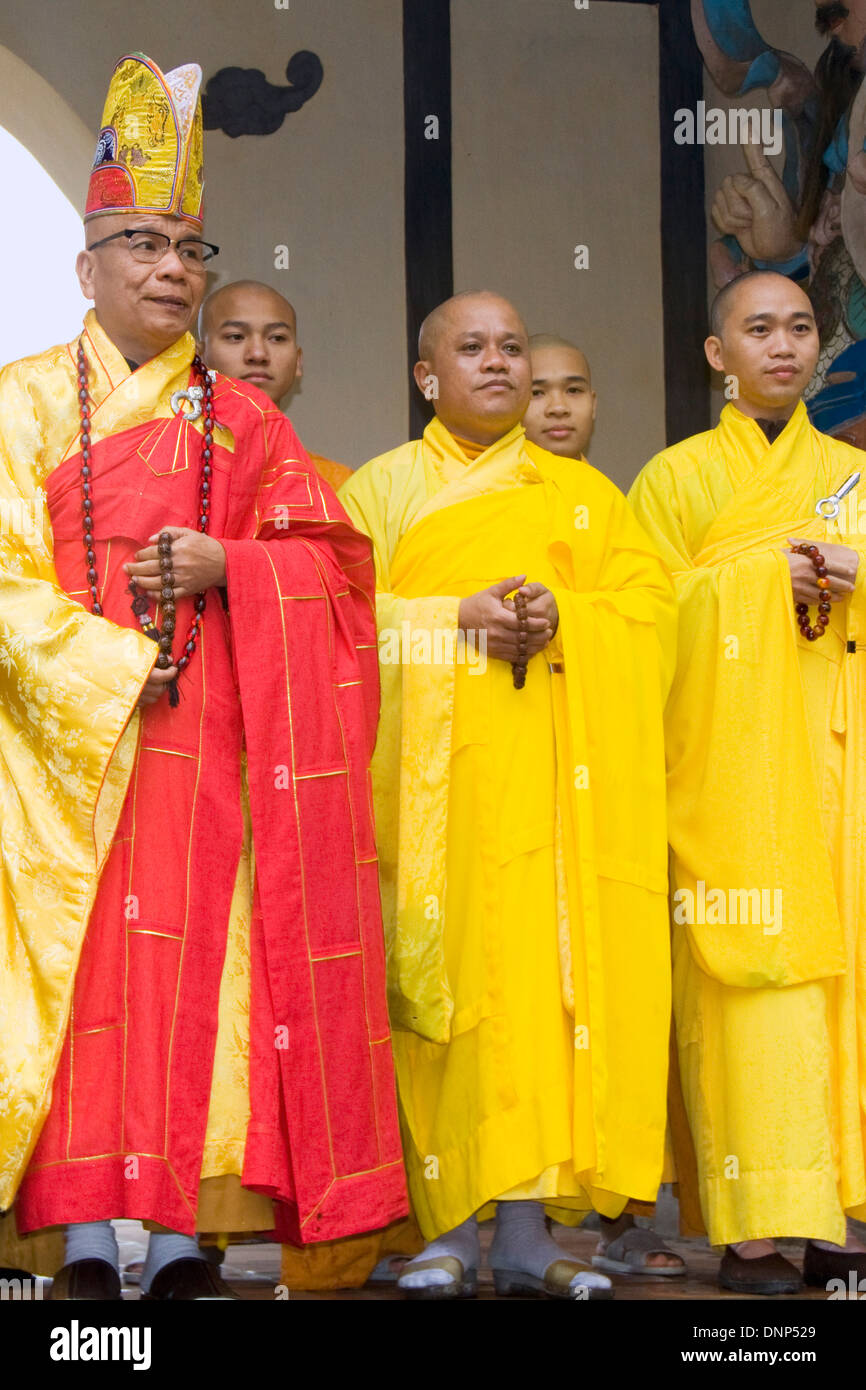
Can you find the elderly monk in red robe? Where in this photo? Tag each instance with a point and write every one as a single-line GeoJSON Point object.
{"type": "Point", "coordinates": [194, 1022]}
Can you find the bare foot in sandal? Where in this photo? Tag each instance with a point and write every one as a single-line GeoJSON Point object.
{"type": "Point", "coordinates": [625, 1248]}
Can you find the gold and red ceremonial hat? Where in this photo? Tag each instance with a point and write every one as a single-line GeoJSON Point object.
{"type": "Point", "coordinates": [149, 155]}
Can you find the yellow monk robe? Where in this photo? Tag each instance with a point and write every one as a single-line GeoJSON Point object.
{"type": "Point", "coordinates": [521, 833]}
{"type": "Point", "coordinates": [69, 683]}
{"type": "Point", "coordinates": [765, 753]}
{"type": "Point", "coordinates": [63, 894]}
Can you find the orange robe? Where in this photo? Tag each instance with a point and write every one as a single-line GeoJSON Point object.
{"type": "Point", "coordinates": [335, 474]}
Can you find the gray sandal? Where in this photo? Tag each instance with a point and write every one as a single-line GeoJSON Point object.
{"type": "Point", "coordinates": [388, 1270]}
{"type": "Point", "coordinates": [565, 1278]}
{"type": "Point", "coordinates": [627, 1254]}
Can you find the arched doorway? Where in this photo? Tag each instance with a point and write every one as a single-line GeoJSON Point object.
{"type": "Point", "coordinates": [45, 156]}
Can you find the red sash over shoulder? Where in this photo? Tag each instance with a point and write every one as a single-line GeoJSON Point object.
{"type": "Point", "coordinates": [301, 592]}
{"type": "Point", "coordinates": [290, 670]}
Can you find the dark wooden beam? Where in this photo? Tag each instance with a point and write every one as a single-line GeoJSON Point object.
{"type": "Point", "coordinates": [683, 230]}
{"type": "Point", "coordinates": [426, 94]}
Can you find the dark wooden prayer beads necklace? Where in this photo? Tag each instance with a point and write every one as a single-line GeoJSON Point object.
{"type": "Point", "coordinates": [140, 602]}
{"type": "Point", "coordinates": [518, 667]}
{"type": "Point", "coordinates": [813, 633]}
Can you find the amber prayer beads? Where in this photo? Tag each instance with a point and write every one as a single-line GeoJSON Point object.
{"type": "Point", "coordinates": [140, 606]}
{"type": "Point", "coordinates": [802, 609]}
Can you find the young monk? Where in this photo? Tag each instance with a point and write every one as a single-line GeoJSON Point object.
{"type": "Point", "coordinates": [250, 332]}
{"type": "Point", "coordinates": [561, 413]}
{"type": "Point", "coordinates": [766, 727]}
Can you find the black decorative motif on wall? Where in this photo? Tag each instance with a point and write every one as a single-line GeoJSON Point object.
{"type": "Point", "coordinates": [241, 101]}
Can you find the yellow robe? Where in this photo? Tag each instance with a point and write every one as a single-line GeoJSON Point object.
{"type": "Point", "coordinates": [69, 683]}
{"type": "Point", "coordinates": [521, 833]}
{"type": "Point", "coordinates": [765, 738]}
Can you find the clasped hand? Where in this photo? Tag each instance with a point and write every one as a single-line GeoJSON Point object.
{"type": "Point", "coordinates": [197, 563]}
{"type": "Point", "coordinates": [489, 611]}
{"type": "Point", "coordinates": [841, 563]}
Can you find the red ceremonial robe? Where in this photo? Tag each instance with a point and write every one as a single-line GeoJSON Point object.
{"type": "Point", "coordinates": [289, 671]}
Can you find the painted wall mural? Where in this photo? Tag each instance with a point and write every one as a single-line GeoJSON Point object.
{"type": "Point", "coordinates": [810, 222]}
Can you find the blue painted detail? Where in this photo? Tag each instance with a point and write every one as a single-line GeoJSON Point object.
{"type": "Point", "coordinates": [731, 24]}
{"type": "Point", "coordinates": [798, 262]}
{"type": "Point", "coordinates": [838, 405]}
{"type": "Point", "coordinates": [763, 72]}
{"type": "Point", "coordinates": [734, 247]}
{"type": "Point", "coordinates": [836, 153]}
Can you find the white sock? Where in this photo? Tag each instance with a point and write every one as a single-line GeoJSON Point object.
{"type": "Point", "coordinates": [92, 1240]}
{"type": "Point", "coordinates": [461, 1244]}
{"type": "Point", "coordinates": [164, 1247]}
{"type": "Point", "coordinates": [522, 1242]}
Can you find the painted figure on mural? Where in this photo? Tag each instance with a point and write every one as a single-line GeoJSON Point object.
{"type": "Point", "coordinates": [810, 223]}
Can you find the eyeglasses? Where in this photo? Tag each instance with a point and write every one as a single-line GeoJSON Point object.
{"type": "Point", "coordinates": [150, 247]}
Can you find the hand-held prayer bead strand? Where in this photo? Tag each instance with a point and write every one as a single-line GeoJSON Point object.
{"type": "Point", "coordinates": [139, 604]}
{"type": "Point", "coordinates": [802, 609]}
{"type": "Point", "coordinates": [518, 667]}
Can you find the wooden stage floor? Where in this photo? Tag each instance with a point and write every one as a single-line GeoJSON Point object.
{"type": "Point", "coordinates": [254, 1272]}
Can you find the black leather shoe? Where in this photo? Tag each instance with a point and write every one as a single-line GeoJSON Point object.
{"type": "Point", "coordinates": [188, 1279]}
{"type": "Point", "coordinates": [96, 1280]}
{"type": "Point", "coordinates": [768, 1274]}
{"type": "Point", "coordinates": [820, 1266]}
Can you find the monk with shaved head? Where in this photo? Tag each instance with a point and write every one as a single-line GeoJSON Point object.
{"type": "Point", "coordinates": [525, 631]}
{"type": "Point", "coordinates": [560, 417]}
{"type": "Point", "coordinates": [561, 412]}
{"type": "Point", "coordinates": [758, 520]}
{"type": "Point", "coordinates": [250, 332]}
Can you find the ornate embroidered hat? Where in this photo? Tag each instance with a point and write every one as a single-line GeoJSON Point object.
{"type": "Point", "coordinates": [149, 152]}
